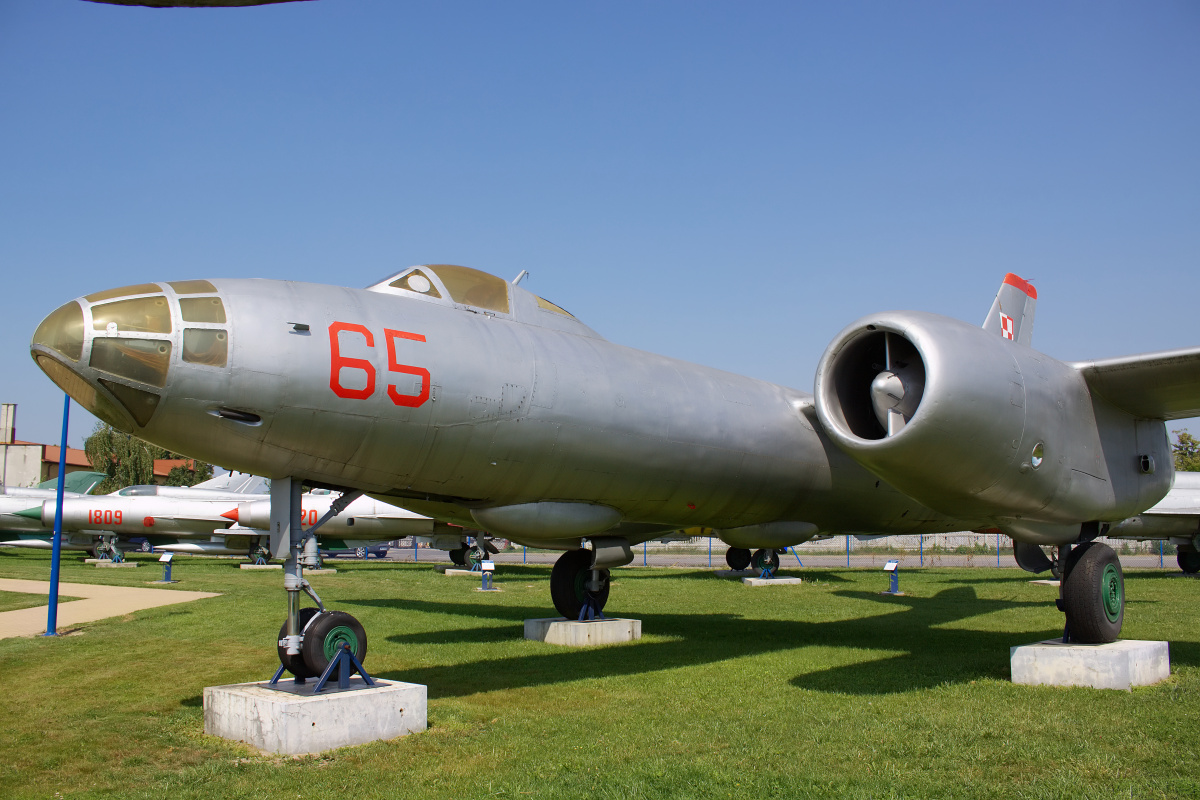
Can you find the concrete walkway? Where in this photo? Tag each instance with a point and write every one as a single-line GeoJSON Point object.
{"type": "Point", "coordinates": [99, 602]}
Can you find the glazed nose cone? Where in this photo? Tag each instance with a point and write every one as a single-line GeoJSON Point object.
{"type": "Point", "coordinates": [110, 351]}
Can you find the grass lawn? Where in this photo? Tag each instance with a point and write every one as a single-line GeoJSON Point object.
{"type": "Point", "coordinates": [12, 601]}
{"type": "Point", "coordinates": [825, 690]}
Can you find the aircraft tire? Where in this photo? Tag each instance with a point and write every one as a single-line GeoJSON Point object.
{"type": "Point", "coordinates": [1093, 594]}
{"type": "Point", "coordinates": [738, 558]}
{"type": "Point", "coordinates": [1188, 559]}
{"type": "Point", "coordinates": [458, 557]}
{"type": "Point", "coordinates": [568, 583]}
{"type": "Point", "coordinates": [475, 555]}
{"type": "Point", "coordinates": [766, 558]}
{"type": "Point", "coordinates": [326, 634]}
{"type": "Point", "coordinates": [295, 664]}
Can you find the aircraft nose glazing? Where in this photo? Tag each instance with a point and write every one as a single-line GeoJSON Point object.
{"type": "Point", "coordinates": [113, 351]}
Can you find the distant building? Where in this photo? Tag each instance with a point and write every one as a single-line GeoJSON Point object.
{"type": "Point", "coordinates": [30, 463]}
{"type": "Point", "coordinates": [163, 467]}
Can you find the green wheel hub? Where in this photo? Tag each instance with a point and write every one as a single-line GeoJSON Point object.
{"type": "Point", "coordinates": [341, 635]}
{"type": "Point", "coordinates": [1112, 592]}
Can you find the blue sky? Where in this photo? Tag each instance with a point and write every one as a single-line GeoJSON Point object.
{"type": "Point", "coordinates": [727, 183]}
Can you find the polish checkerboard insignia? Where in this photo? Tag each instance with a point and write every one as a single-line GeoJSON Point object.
{"type": "Point", "coordinates": [1006, 326]}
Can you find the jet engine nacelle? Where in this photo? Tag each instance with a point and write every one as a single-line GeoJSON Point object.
{"type": "Point", "coordinates": [981, 428]}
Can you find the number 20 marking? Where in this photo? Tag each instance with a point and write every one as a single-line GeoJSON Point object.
{"type": "Point", "coordinates": [339, 362]}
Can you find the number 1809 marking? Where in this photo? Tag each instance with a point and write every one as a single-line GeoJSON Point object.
{"type": "Point", "coordinates": [339, 362]}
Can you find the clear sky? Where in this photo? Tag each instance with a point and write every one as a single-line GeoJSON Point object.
{"type": "Point", "coordinates": [727, 183]}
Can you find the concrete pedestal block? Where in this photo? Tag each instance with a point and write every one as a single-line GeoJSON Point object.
{"type": "Point", "coordinates": [458, 573]}
{"type": "Point", "coordinates": [1117, 665]}
{"type": "Point", "coordinates": [322, 571]}
{"type": "Point", "coordinates": [118, 565]}
{"type": "Point", "coordinates": [772, 581]}
{"type": "Point", "coordinates": [289, 719]}
{"type": "Point", "coordinates": [260, 566]}
{"type": "Point", "coordinates": [557, 630]}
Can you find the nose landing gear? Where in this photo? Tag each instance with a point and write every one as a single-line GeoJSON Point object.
{"type": "Point", "coordinates": [310, 637]}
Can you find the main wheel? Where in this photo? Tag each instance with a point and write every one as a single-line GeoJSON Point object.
{"type": "Point", "coordinates": [326, 635]}
{"type": "Point", "coordinates": [738, 558]}
{"type": "Point", "coordinates": [568, 584]}
{"type": "Point", "coordinates": [766, 559]}
{"type": "Point", "coordinates": [360, 552]}
{"type": "Point", "coordinates": [1093, 594]}
{"type": "Point", "coordinates": [475, 556]}
{"type": "Point", "coordinates": [458, 557]}
{"type": "Point", "coordinates": [295, 664]}
{"type": "Point", "coordinates": [1188, 560]}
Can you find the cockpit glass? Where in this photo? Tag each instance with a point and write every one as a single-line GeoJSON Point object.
{"type": "Point", "coordinates": [124, 291]}
{"type": "Point", "coordinates": [142, 360]}
{"type": "Point", "coordinates": [202, 309]}
{"type": "Point", "coordinates": [417, 281]}
{"type": "Point", "coordinates": [472, 287]}
{"type": "Point", "coordinates": [143, 315]}
{"type": "Point", "coordinates": [192, 287]}
{"type": "Point", "coordinates": [547, 305]}
{"type": "Point", "coordinates": [63, 331]}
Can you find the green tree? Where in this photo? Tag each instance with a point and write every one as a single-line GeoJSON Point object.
{"type": "Point", "coordinates": [1187, 452]}
{"type": "Point", "coordinates": [128, 461]}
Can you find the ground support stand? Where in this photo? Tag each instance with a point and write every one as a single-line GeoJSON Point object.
{"type": "Point", "coordinates": [291, 718]}
{"type": "Point", "coordinates": [556, 630]}
{"type": "Point", "coordinates": [1122, 664]}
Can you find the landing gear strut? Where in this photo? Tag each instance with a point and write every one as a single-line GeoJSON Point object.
{"type": "Point", "coordinates": [1092, 593]}
{"type": "Point", "coordinates": [310, 637]}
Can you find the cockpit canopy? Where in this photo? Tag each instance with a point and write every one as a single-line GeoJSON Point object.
{"type": "Point", "coordinates": [449, 284]}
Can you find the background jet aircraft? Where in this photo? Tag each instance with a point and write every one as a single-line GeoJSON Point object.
{"type": "Point", "coordinates": [478, 403]}
{"type": "Point", "coordinates": [1175, 519]}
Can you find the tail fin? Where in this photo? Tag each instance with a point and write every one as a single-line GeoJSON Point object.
{"type": "Point", "coordinates": [1012, 313]}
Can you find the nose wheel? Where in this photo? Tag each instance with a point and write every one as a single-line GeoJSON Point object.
{"type": "Point", "coordinates": [766, 561]}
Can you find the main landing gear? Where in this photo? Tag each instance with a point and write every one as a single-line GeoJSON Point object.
{"type": "Point", "coordinates": [738, 558]}
{"type": "Point", "coordinates": [580, 579]}
{"type": "Point", "coordinates": [1188, 558]}
{"type": "Point", "coordinates": [309, 638]}
{"type": "Point", "coordinates": [471, 556]}
{"type": "Point", "coordinates": [1092, 593]}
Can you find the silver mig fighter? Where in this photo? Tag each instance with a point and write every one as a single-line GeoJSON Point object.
{"type": "Point", "coordinates": [467, 398]}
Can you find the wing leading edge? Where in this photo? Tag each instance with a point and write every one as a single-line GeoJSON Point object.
{"type": "Point", "coordinates": [1163, 385]}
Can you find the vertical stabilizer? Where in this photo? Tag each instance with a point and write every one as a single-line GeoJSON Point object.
{"type": "Point", "coordinates": [1012, 314]}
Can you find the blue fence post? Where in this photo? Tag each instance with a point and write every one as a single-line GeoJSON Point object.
{"type": "Point", "coordinates": [921, 546]}
{"type": "Point", "coordinates": [524, 554]}
{"type": "Point", "coordinates": [847, 550]}
{"type": "Point", "coordinates": [644, 548]}
{"type": "Point", "coordinates": [52, 611]}
{"type": "Point", "coordinates": [710, 552]}
{"type": "Point", "coordinates": [1160, 553]}
{"type": "Point", "coordinates": [997, 549]}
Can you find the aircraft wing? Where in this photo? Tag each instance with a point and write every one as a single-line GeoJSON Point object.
{"type": "Point", "coordinates": [1163, 385]}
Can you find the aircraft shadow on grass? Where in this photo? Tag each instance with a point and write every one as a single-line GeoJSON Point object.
{"type": "Point", "coordinates": [919, 652]}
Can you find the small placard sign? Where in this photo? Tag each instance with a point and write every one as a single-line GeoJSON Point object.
{"type": "Point", "coordinates": [488, 566]}
{"type": "Point", "coordinates": [891, 566]}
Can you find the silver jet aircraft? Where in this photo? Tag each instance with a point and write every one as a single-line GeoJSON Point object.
{"type": "Point", "coordinates": [469, 399]}
{"type": "Point", "coordinates": [1176, 520]}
